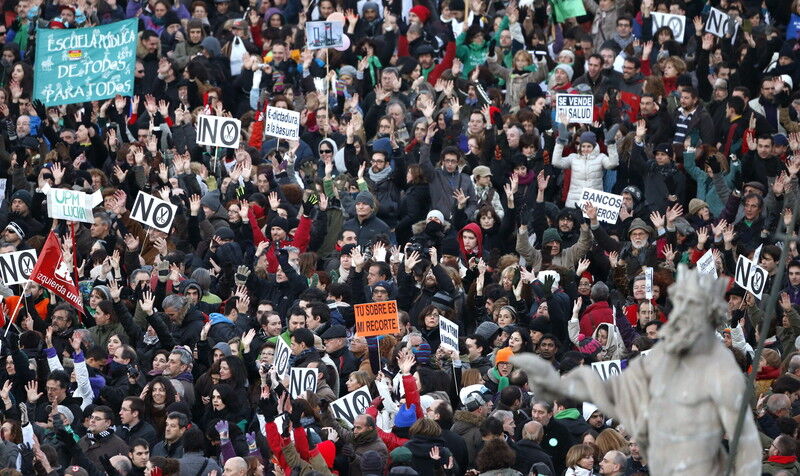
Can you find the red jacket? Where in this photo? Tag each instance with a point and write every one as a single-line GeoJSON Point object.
{"type": "Point", "coordinates": [300, 240]}
{"type": "Point", "coordinates": [597, 313]}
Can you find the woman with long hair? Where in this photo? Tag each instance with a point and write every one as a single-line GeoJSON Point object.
{"type": "Point", "coordinates": [157, 396]}
{"type": "Point", "coordinates": [224, 405]}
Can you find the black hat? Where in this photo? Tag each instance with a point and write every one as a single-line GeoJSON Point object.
{"type": "Point", "coordinates": [663, 147]}
{"type": "Point", "coordinates": [424, 49]}
{"type": "Point", "coordinates": [533, 91]}
{"type": "Point", "coordinates": [346, 249]}
{"type": "Point", "coordinates": [280, 222]}
{"type": "Point", "coordinates": [736, 290]}
{"type": "Point", "coordinates": [225, 233]}
{"type": "Point", "coordinates": [23, 195]}
{"type": "Point", "coordinates": [334, 332]}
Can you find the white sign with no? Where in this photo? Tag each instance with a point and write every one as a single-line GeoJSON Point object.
{"type": "Point", "coordinates": [153, 212]}
{"type": "Point", "coordinates": [218, 131]}
{"type": "Point", "coordinates": [750, 276]}
{"type": "Point", "coordinates": [16, 267]}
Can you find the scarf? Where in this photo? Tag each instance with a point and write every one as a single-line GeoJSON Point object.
{"type": "Point", "coordinates": [568, 414]}
{"type": "Point", "coordinates": [665, 170]}
{"type": "Point", "coordinates": [782, 459]}
{"type": "Point", "coordinates": [502, 382]}
{"type": "Point", "coordinates": [294, 358]}
{"type": "Point", "coordinates": [527, 179]}
{"type": "Point", "coordinates": [100, 436]}
{"type": "Point", "coordinates": [365, 438]}
{"type": "Point", "coordinates": [374, 64]}
{"type": "Point", "coordinates": [380, 176]}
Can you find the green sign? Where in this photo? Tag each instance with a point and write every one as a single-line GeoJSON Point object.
{"type": "Point", "coordinates": [567, 9]}
{"type": "Point", "coordinates": [85, 64]}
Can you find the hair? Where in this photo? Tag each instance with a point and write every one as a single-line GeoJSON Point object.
{"type": "Point", "coordinates": [238, 378]}
{"type": "Point", "coordinates": [183, 420]}
{"type": "Point", "coordinates": [137, 405]}
{"type": "Point", "coordinates": [362, 377]}
{"type": "Point", "coordinates": [186, 357]}
{"type": "Point", "coordinates": [304, 336]}
{"type": "Point", "coordinates": [194, 441]}
{"type": "Point", "coordinates": [105, 410]}
{"type": "Point", "coordinates": [577, 453]}
{"type": "Point", "coordinates": [495, 454]}
{"type": "Point", "coordinates": [61, 377]}
{"type": "Point", "coordinates": [168, 388]}
{"type": "Point", "coordinates": [610, 439]}
{"type": "Point", "coordinates": [425, 427]}
{"type": "Point", "coordinates": [471, 377]}
{"type": "Point", "coordinates": [491, 426]}
{"type": "Point", "coordinates": [737, 104]}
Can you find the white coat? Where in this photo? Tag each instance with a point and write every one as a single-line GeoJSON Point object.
{"type": "Point", "coordinates": [587, 170]}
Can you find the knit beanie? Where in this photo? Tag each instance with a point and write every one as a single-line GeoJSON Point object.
{"type": "Point", "coordinates": [422, 353]}
{"type": "Point", "coordinates": [550, 234]}
{"type": "Point", "coordinates": [695, 205]}
{"type": "Point", "coordinates": [371, 463]}
{"type": "Point", "coordinates": [23, 195]}
{"type": "Point", "coordinates": [365, 197]}
{"type": "Point", "coordinates": [406, 416]}
{"type": "Point", "coordinates": [347, 70]}
{"type": "Point", "coordinates": [422, 12]}
{"type": "Point", "coordinates": [503, 355]}
{"type": "Point", "coordinates": [567, 69]}
{"type": "Point", "coordinates": [400, 455]}
{"type": "Point", "coordinates": [487, 329]}
{"type": "Point", "coordinates": [281, 223]}
{"type": "Point", "coordinates": [589, 137]}
{"type": "Point", "coordinates": [106, 292]}
{"type": "Point", "coordinates": [328, 451]}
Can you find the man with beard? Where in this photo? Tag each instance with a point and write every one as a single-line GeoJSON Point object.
{"type": "Point", "coordinates": [678, 418]}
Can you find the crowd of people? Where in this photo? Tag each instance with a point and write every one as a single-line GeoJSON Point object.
{"type": "Point", "coordinates": [432, 169]}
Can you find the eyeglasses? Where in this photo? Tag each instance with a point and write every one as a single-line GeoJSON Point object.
{"type": "Point", "coordinates": [325, 151]}
{"type": "Point", "coordinates": [96, 418]}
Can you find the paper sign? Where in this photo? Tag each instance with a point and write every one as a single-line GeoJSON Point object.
{"type": "Point", "coordinates": [676, 23]}
{"type": "Point", "coordinates": [607, 204]}
{"type": "Point", "coordinates": [750, 276]}
{"type": "Point", "coordinates": [648, 282]}
{"type": "Point", "coordinates": [579, 108]}
{"type": "Point", "coordinates": [324, 34]}
{"type": "Point", "coordinates": [757, 255]}
{"type": "Point", "coordinates": [70, 205]}
{"type": "Point", "coordinates": [281, 360]}
{"type": "Point", "coordinates": [282, 123]}
{"type": "Point", "coordinates": [609, 368]}
{"type": "Point", "coordinates": [303, 379]}
{"type": "Point", "coordinates": [85, 64]}
{"type": "Point", "coordinates": [218, 131]}
{"type": "Point", "coordinates": [448, 333]}
{"type": "Point", "coordinates": [16, 267]}
{"type": "Point", "coordinates": [376, 318]}
{"type": "Point", "coordinates": [153, 212]}
{"type": "Point", "coordinates": [706, 265]}
{"type": "Point", "coordinates": [717, 23]}
{"type": "Point", "coordinates": [351, 405]}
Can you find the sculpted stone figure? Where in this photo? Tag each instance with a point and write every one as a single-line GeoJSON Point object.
{"type": "Point", "coordinates": [682, 399]}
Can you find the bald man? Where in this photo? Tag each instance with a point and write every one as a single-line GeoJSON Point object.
{"type": "Point", "coordinates": [613, 464]}
{"type": "Point", "coordinates": [528, 450]}
{"type": "Point", "coordinates": [122, 464]}
{"type": "Point", "coordinates": [778, 405]}
{"type": "Point", "coordinates": [235, 467]}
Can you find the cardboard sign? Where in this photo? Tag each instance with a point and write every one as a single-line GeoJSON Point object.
{"type": "Point", "coordinates": [579, 108]}
{"type": "Point", "coordinates": [154, 212]}
{"type": "Point", "coordinates": [376, 318]}
{"type": "Point", "coordinates": [717, 22]}
{"type": "Point", "coordinates": [609, 368]}
{"type": "Point", "coordinates": [607, 204]}
{"type": "Point", "coordinates": [281, 360]}
{"type": "Point", "coordinates": [324, 34]}
{"type": "Point", "coordinates": [16, 267]}
{"type": "Point", "coordinates": [676, 23]}
{"type": "Point", "coordinates": [750, 276]}
{"type": "Point", "coordinates": [648, 282]}
{"type": "Point", "coordinates": [448, 333]}
{"type": "Point", "coordinates": [70, 205]}
{"type": "Point", "coordinates": [218, 131]}
{"type": "Point", "coordinates": [351, 405]}
{"type": "Point", "coordinates": [706, 265]}
{"type": "Point", "coordinates": [282, 123]}
{"type": "Point", "coordinates": [303, 379]}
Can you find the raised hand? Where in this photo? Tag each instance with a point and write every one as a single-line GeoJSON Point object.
{"type": "Point", "coordinates": [147, 301]}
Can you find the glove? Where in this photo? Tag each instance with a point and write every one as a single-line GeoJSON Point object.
{"type": "Point", "coordinates": [296, 415]}
{"type": "Point", "coordinates": [268, 407]}
{"type": "Point", "coordinates": [223, 429]}
{"type": "Point", "coordinates": [347, 451]}
{"type": "Point", "coordinates": [285, 430]}
{"type": "Point", "coordinates": [548, 283]}
{"type": "Point", "coordinates": [242, 273]}
{"type": "Point", "coordinates": [563, 134]}
{"type": "Point", "coordinates": [308, 205]}
{"type": "Point", "coordinates": [251, 442]}
{"type": "Point", "coordinates": [377, 402]}
{"type": "Point", "coordinates": [611, 134]}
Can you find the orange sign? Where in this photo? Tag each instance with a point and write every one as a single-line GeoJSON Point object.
{"type": "Point", "coordinates": [376, 318]}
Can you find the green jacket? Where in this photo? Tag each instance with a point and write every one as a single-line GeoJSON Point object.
{"type": "Point", "coordinates": [786, 335]}
{"type": "Point", "coordinates": [471, 54]}
{"type": "Point", "coordinates": [771, 467]}
{"type": "Point", "coordinates": [286, 336]}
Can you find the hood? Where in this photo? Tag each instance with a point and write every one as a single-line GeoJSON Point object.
{"type": "Point", "coordinates": [419, 227]}
{"type": "Point", "coordinates": [614, 336]}
{"type": "Point", "coordinates": [476, 229]}
{"type": "Point", "coordinates": [420, 446]}
{"type": "Point", "coordinates": [217, 318]}
{"type": "Point", "coordinates": [211, 45]}
{"type": "Point", "coordinates": [467, 418]}
{"type": "Point", "coordinates": [328, 451]}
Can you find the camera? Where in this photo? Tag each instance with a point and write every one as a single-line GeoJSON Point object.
{"type": "Point", "coordinates": [133, 372]}
{"type": "Point", "coordinates": [264, 367]}
{"type": "Point", "coordinates": [418, 247]}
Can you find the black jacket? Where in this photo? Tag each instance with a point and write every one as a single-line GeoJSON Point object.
{"type": "Point", "coordinates": [528, 453]}
{"type": "Point", "coordinates": [140, 430]}
{"type": "Point", "coordinates": [420, 447]}
{"type": "Point", "coordinates": [556, 442]}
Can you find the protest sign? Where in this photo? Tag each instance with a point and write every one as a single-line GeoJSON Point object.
{"type": "Point", "coordinates": [564, 9]}
{"type": "Point", "coordinates": [55, 274]}
{"type": "Point", "coordinates": [448, 333]}
{"type": "Point", "coordinates": [609, 368]}
{"type": "Point", "coordinates": [607, 204]}
{"type": "Point", "coordinates": [70, 205]}
{"type": "Point", "coordinates": [324, 34]}
{"type": "Point", "coordinates": [706, 265]}
{"type": "Point", "coordinates": [282, 123]}
{"type": "Point", "coordinates": [351, 405]}
{"type": "Point", "coordinates": [85, 64]}
{"type": "Point", "coordinates": [2, 189]}
{"type": "Point", "coordinates": [750, 276]}
{"type": "Point", "coordinates": [16, 267]}
{"type": "Point", "coordinates": [218, 131]}
{"type": "Point", "coordinates": [757, 254]}
{"type": "Point", "coordinates": [281, 360]}
{"type": "Point", "coordinates": [153, 212]}
{"type": "Point", "coordinates": [648, 282]}
{"type": "Point", "coordinates": [302, 379]}
{"type": "Point", "coordinates": [676, 23]}
{"type": "Point", "coordinates": [579, 108]}
{"type": "Point", "coordinates": [717, 22]}
{"type": "Point", "coordinates": [376, 318]}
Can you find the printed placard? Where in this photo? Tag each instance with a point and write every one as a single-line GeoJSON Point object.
{"type": "Point", "coordinates": [303, 379]}
{"type": "Point", "coordinates": [648, 282]}
{"type": "Point", "coordinates": [579, 108]}
{"type": "Point", "coordinates": [706, 265]}
{"type": "Point", "coordinates": [218, 131]}
{"type": "Point", "coordinates": [281, 360]}
{"type": "Point", "coordinates": [324, 34]}
{"type": "Point", "coordinates": [282, 123]}
{"type": "Point", "coordinates": [750, 276]}
{"type": "Point", "coordinates": [376, 318]}
{"type": "Point", "coordinates": [607, 204]}
{"type": "Point", "coordinates": [609, 368]}
{"type": "Point", "coordinates": [70, 205]}
{"type": "Point", "coordinates": [676, 23]}
{"type": "Point", "coordinates": [16, 267]}
{"type": "Point", "coordinates": [351, 405]}
{"type": "Point", "coordinates": [448, 333]}
{"type": "Point", "coordinates": [154, 212]}
{"type": "Point", "coordinates": [717, 22]}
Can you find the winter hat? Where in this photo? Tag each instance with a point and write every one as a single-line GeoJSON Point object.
{"type": "Point", "coordinates": [370, 6]}
{"type": "Point", "coordinates": [104, 289]}
{"type": "Point", "coordinates": [540, 324]}
{"type": "Point", "coordinates": [211, 45]}
{"type": "Point", "coordinates": [225, 233]}
{"type": "Point", "coordinates": [589, 137]}
{"type": "Point", "coordinates": [347, 70]}
{"type": "Point", "coordinates": [503, 355]}
{"type": "Point", "coordinates": [406, 416]}
{"type": "Point", "coordinates": [435, 214]}
{"type": "Point", "coordinates": [422, 353]}
{"type": "Point", "coordinates": [567, 69]}
{"type": "Point", "coordinates": [683, 226]}
{"type": "Point", "coordinates": [68, 415]}
{"type": "Point", "coordinates": [422, 12]}
{"type": "Point", "coordinates": [634, 192]}
{"type": "Point", "coordinates": [211, 200]}
{"type": "Point", "coordinates": [385, 285]}
{"type": "Point", "coordinates": [224, 347]}
{"type": "Point", "coordinates": [23, 195]}
{"type": "Point", "coordinates": [639, 224]}
{"type": "Point", "coordinates": [401, 454]}
{"type": "Point", "coordinates": [328, 451]}
{"type": "Point", "coordinates": [188, 284]}
{"type": "Point", "coordinates": [487, 330]}
{"type": "Point", "coordinates": [384, 144]}
{"type": "Point", "coordinates": [281, 223]}
{"type": "Point", "coordinates": [371, 463]}
{"type": "Point", "coordinates": [589, 345]}
{"type": "Point", "coordinates": [365, 197]}
{"type": "Point", "coordinates": [533, 91]}
{"type": "Point", "coordinates": [17, 227]}
{"type": "Point", "coordinates": [587, 410]}
{"type": "Point", "coordinates": [75, 471]}
{"type": "Point", "coordinates": [442, 300]}
{"type": "Point", "coordinates": [550, 234]}
{"type": "Point", "coordinates": [663, 147]}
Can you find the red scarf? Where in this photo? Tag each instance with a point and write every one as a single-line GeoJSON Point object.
{"type": "Point", "coordinates": [782, 459]}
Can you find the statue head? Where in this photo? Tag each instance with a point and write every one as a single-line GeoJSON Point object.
{"type": "Point", "coordinates": [699, 307]}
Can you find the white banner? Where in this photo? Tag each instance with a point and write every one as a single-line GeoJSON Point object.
{"type": "Point", "coordinates": [717, 23]}
{"type": "Point", "coordinates": [750, 276]}
{"type": "Point", "coordinates": [71, 205]}
{"type": "Point", "coordinates": [448, 333]}
{"type": "Point", "coordinates": [281, 360]}
{"type": "Point", "coordinates": [579, 108]}
{"type": "Point", "coordinates": [303, 379]}
{"type": "Point", "coordinates": [676, 23]}
{"type": "Point", "coordinates": [351, 405]}
{"type": "Point", "coordinates": [608, 368]}
{"type": "Point", "coordinates": [16, 267]}
{"type": "Point", "coordinates": [324, 34]}
{"type": "Point", "coordinates": [706, 265]}
{"type": "Point", "coordinates": [607, 204]}
{"type": "Point", "coordinates": [218, 131]}
{"type": "Point", "coordinates": [153, 212]}
{"type": "Point", "coordinates": [282, 123]}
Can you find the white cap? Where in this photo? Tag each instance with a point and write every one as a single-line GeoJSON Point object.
{"type": "Point", "coordinates": [435, 214]}
{"type": "Point", "coordinates": [788, 80]}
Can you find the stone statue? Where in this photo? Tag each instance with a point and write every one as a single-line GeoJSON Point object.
{"type": "Point", "coordinates": [682, 399]}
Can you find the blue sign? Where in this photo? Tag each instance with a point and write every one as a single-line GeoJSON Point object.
{"type": "Point", "coordinates": [85, 64]}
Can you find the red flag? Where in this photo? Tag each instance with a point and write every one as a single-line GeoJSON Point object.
{"type": "Point", "coordinates": [52, 272]}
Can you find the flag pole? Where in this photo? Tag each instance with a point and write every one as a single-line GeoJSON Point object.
{"type": "Point", "coordinates": [16, 309]}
